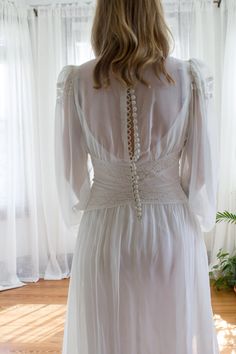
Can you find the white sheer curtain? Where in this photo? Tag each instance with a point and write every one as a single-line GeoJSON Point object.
{"type": "Point", "coordinates": [225, 234]}
{"type": "Point", "coordinates": [60, 36]}
{"type": "Point", "coordinates": [18, 165]}
{"type": "Point", "coordinates": [34, 242]}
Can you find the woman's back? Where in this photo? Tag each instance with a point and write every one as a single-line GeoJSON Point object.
{"type": "Point", "coordinates": [161, 112]}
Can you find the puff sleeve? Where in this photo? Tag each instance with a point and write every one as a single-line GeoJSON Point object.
{"type": "Point", "coordinates": [199, 168]}
{"type": "Point", "coordinates": [71, 156]}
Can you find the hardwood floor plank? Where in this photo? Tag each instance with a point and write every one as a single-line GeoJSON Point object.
{"type": "Point", "coordinates": [224, 309]}
{"type": "Point", "coordinates": [32, 318]}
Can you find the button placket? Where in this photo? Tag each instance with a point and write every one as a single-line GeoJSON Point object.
{"type": "Point", "coordinates": [134, 154]}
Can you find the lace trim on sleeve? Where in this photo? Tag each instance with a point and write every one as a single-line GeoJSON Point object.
{"type": "Point", "coordinates": [65, 82]}
{"type": "Point", "coordinates": [201, 78]}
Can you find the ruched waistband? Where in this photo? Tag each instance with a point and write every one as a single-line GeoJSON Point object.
{"type": "Point", "coordinates": [158, 182]}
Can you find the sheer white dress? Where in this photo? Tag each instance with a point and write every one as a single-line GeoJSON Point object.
{"type": "Point", "coordinates": [139, 281]}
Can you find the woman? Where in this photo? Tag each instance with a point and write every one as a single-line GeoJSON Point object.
{"type": "Point", "coordinates": [135, 159]}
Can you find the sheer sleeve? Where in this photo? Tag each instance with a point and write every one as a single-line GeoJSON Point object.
{"type": "Point", "coordinates": [199, 170]}
{"type": "Point", "coordinates": [71, 156]}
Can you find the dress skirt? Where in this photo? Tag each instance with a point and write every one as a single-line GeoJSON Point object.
{"type": "Point", "coordinates": [140, 287]}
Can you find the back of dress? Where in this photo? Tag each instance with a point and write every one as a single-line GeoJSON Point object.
{"type": "Point", "coordinates": [98, 131]}
{"type": "Point", "coordinates": [138, 165]}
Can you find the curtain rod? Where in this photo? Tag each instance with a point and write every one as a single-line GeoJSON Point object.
{"type": "Point", "coordinates": [86, 2]}
{"type": "Point", "coordinates": [218, 2]}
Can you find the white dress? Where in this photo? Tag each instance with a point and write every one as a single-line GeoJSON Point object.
{"type": "Point", "coordinates": [139, 282]}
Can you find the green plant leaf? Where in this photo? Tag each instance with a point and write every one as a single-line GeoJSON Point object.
{"type": "Point", "coordinates": [223, 274]}
{"type": "Point", "coordinates": [227, 266]}
{"type": "Point", "coordinates": [215, 266]}
{"type": "Point", "coordinates": [226, 216]}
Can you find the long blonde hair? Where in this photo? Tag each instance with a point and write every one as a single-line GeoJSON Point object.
{"type": "Point", "coordinates": [127, 36]}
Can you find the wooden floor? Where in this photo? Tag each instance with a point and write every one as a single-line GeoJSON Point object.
{"type": "Point", "coordinates": [32, 318]}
